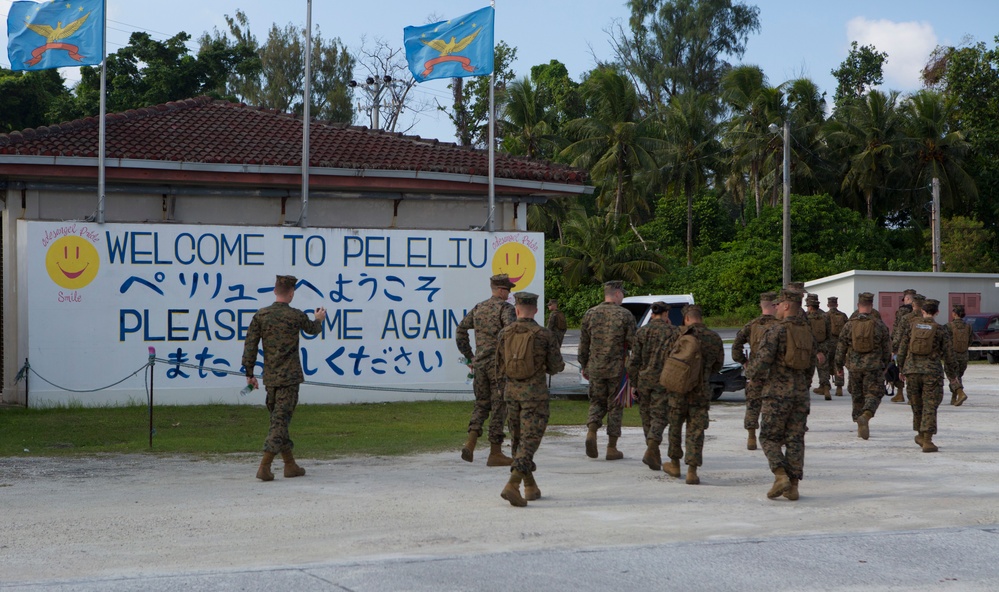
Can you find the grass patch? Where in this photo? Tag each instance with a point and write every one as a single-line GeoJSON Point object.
{"type": "Point", "coordinates": [319, 431]}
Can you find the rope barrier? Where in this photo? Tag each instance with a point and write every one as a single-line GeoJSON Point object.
{"type": "Point", "coordinates": [27, 368]}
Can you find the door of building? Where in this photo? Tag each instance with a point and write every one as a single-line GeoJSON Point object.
{"type": "Point", "coordinates": [888, 303]}
{"type": "Point", "coordinates": [972, 302]}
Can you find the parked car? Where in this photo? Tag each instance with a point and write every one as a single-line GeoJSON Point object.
{"type": "Point", "coordinates": [985, 332]}
{"type": "Point", "coordinates": [728, 379]}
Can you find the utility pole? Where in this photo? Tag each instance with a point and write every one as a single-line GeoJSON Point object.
{"type": "Point", "coordinates": [937, 258]}
{"type": "Point", "coordinates": [376, 88]}
{"type": "Point", "coordinates": [787, 202]}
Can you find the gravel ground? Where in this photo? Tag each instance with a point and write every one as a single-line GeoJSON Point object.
{"type": "Point", "coordinates": [120, 516]}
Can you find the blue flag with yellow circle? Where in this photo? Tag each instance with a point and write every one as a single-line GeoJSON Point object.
{"type": "Point", "coordinates": [51, 34]}
{"type": "Point", "coordinates": [455, 48]}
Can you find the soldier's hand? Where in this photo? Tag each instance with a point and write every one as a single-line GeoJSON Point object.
{"type": "Point", "coordinates": [821, 357]}
{"type": "Point", "coordinates": [583, 372]}
{"type": "Point", "coordinates": [252, 381]}
{"type": "Point", "coordinates": [320, 314]}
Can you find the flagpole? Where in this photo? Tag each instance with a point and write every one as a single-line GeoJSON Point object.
{"type": "Point", "coordinates": [491, 222]}
{"type": "Point", "coordinates": [303, 220]}
{"type": "Point", "coordinates": [101, 137]}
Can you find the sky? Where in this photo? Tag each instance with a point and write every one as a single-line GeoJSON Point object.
{"type": "Point", "coordinates": [793, 40]}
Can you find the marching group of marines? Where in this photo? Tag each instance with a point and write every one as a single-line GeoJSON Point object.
{"type": "Point", "coordinates": [669, 369]}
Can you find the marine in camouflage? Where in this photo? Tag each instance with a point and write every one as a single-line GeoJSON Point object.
{"type": "Point", "coordinates": [754, 391]}
{"type": "Point", "coordinates": [827, 347]}
{"type": "Point", "coordinates": [606, 333]}
{"type": "Point", "coordinates": [866, 369]}
{"type": "Point", "coordinates": [923, 374]}
{"type": "Point", "coordinates": [835, 313]}
{"type": "Point", "coordinates": [556, 322]}
{"type": "Point", "coordinates": [652, 343]}
{"type": "Point", "coordinates": [691, 408]}
{"type": "Point", "coordinates": [960, 358]}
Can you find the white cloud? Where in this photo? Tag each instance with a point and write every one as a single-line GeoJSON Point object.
{"type": "Point", "coordinates": [907, 44]}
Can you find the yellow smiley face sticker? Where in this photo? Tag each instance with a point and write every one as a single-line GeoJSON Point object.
{"type": "Point", "coordinates": [72, 262]}
{"type": "Point", "coordinates": [518, 262]}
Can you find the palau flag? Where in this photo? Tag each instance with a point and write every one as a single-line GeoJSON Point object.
{"type": "Point", "coordinates": [62, 34]}
{"type": "Point", "coordinates": [456, 48]}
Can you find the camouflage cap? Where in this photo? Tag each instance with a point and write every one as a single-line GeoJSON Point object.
{"type": "Point", "coordinates": [526, 298]}
{"type": "Point", "coordinates": [790, 295]}
{"type": "Point", "coordinates": [285, 283]}
{"type": "Point", "coordinates": [865, 298]}
{"type": "Point", "coordinates": [909, 292]}
{"type": "Point", "coordinates": [615, 285]}
{"type": "Point", "coordinates": [501, 280]}
{"type": "Point", "coordinates": [767, 297]}
{"type": "Point", "coordinates": [832, 301]}
{"type": "Point", "coordinates": [931, 305]}
{"type": "Point", "coordinates": [959, 309]}
{"type": "Point", "coordinates": [919, 300]}
{"type": "Point", "coordinates": [799, 286]}
{"type": "Point", "coordinates": [812, 299]}
{"type": "Point", "coordinates": [553, 301]}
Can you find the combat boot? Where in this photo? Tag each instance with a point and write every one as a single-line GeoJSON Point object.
{"type": "Point", "coordinates": [591, 440]}
{"type": "Point", "coordinates": [781, 484]}
{"type": "Point", "coordinates": [496, 457]}
{"type": "Point", "coordinates": [817, 390]}
{"type": "Point", "coordinates": [672, 468]}
{"type": "Point", "coordinates": [826, 392]}
{"type": "Point", "coordinates": [899, 397]}
{"type": "Point", "coordinates": [953, 398]}
{"type": "Point", "coordinates": [531, 491]}
{"type": "Point", "coordinates": [863, 424]}
{"type": "Point", "coordinates": [792, 492]}
{"type": "Point", "coordinates": [692, 478]}
{"type": "Point", "coordinates": [960, 397]}
{"type": "Point", "coordinates": [264, 472]}
{"type": "Point", "coordinates": [468, 450]}
{"type": "Point", "coordinates": [612, 452]}
{"type": "Point", "coordinates": [653, 458]}
{"type": "Point", "coordinates": [511, 492]}
{"type": "Point", "coordinates": [291, 469]}
{"type": "Point", "coordinates": [839, 391]}
{"type": "Point", "coordinates": [919, 439]}
{"type": "Point", "coordinates": [928, 445]}
{"type": "Point", "coordinates": [751, 440]}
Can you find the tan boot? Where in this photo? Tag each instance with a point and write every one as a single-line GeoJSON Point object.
{"type": "Point", "coordinates": [511, 492]}
{"type": "Point", "coordinates": [792, 492]}
{"type": "Point", "coordinates": [817, 390]}
{"type": "Point", "coordinates": [953, 397]}
{"type": "Point", "coordinates": [653, 458]}
{"type": "Point", "coordinates": [291, 469]}
{"type": "Point", "coordinates": [960, 397]}
{"type": "Point", "coordinates": [826, 392]}
{"type": "Point", "coordinates": [919, 439]}
{"type": "Point", "coordinates": [928, 445]}
{"type": "Point", "coordinates": [863, 424]}
{"type": "Point", "coordinates": [468, 450]}
{"type": "Point", "coordinates": [591, 441]}
{"type": "Point", "coordinates": [612, 452]}
{"type": "Point", "coordinates": [672, 468]}
{"type": "Point", "coordinates": [496, 457]}
{"type": "Point", "coordinates": [899, 397]}
{"type": "Point", "coordinates": [781, 484]}
{"type": "Point", "coordinates": [751, 440]}
{"type": "Point", "coordinates": [692, 478]}
{"type": "Point", "coordinates": [531, 490]}
{"type": "Point", "coordinates": [839, 391]}
{"type": "Point", "coordinates": [264, 472]}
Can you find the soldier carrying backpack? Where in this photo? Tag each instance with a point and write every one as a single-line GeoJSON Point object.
{"type": "Point", "coordinates": [864, 347]}
{"type": "Point", "coordinates": [960, 338]}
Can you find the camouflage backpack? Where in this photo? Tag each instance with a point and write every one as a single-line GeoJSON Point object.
{"type": "Point", "coordinates": [518, 352]}
{"type": "Point", "coordinates": [862, 335]}
{"type": "Point", "coordinates": [962, 336]}
{"type": "Point", "coordinates": [818, 324]}
{"type": "Point", "coordinates": [921, 340]}
{"type": "Point", "coordinates": [836, 323]}
{"type": "Point", "coordinates": [755, 335]}
{"type": "Point", "coordinates": [798, 353]}
{"type": "Point", "coordinates": [683, 370]}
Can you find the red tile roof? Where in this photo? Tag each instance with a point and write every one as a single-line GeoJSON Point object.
{"type": "Point", "coordinates": [206, 130]}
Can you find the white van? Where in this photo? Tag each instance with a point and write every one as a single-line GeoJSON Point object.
{"type": "Point", "coordinates": [641, 306]}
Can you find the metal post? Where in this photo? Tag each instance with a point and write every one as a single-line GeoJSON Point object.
{"type": "Point", "coordinates": [152, 375]}
{"type": "Point", "coordinates": [27, 371]}
{"type": "Point", "coordinates": [491, 219]}
{"type": "Point", "coordinates": [303, 220]}
{"type": "Point", "coordinates": [787, 202]}
{"type": "Point", "coordinates": [101, 133]}
{"type": "Point", "coordinates": [937, 256]}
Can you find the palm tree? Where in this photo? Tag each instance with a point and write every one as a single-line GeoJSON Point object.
{"type": "Point", "coordinates": [527, 122]}
{"type": "Point", "coordinates": [746, 134]}
{"type": "Point", "coordinates": [616, 144]}
{"type": "Point", "coordinates": [934, 148]}
{"type": "Point", "coordinates": [807, 111]}
{"type": "Point", "coordinates": [598, 249]}
{"type": "Point", "coordinates": [690, 157]}
{"type": "Point", "coordinates": [869, 135]}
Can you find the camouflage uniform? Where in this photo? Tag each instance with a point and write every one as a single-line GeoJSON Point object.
{"type": "Point", "coordinates": [923, 374]}
{"type": "Point", "coordinates": [786, 402]}
{"type": "Point", "coordinates": [818, 318]}
{"type": "Point", "coordinates": [866, 369]}
{"type": "Point", "coordinates": [837, 319]}
{"type": "Point", "coordinates": [605, 336]}
{"type": "Point", "coordinates": [652, 343]}
{"type": "Point", "coordinates": [486, 318]}
{"type": "Point", "coordinates": [278, 326]}
{"type": "Point", "coordinates": [557, 325]}
{"type": "Point", "coordinates": [960, 358]}
{"type": "Point", "coordinates": [692, 407]}
{"type": "Point", "coordinates": [752, 333]}
{"type": "Point", "coordinates": [527, 399]}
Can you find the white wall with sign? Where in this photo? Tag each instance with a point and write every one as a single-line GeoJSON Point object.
{"type": "Point", "coordinates": [98, 296]}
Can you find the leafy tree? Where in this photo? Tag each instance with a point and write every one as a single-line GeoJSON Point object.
{"type": "Point", "coordinates": [557, 90]}
{"type": "Point", "coordinates": [965, 246]}
{"type": "Point", "coordinates": [470, 110]}
{"type": "Point", "coordinates": [598, 249]}
{"type": "Point", "coordinates": [615, 143]}
{"type": "Point", "coordinates": [678, 46]}
{"type": "Point", "coordinates": [527, 122]}
{"type": "Point", "coordinates": [858, 73]}
{"type": "Point", "coordinates": [388, 83]}
{"type": "Point", "coordinates": [713, 224]}
{"type": "Point", "coordinates": [27, 99]}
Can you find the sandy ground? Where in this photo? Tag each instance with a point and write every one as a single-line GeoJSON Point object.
{"type": "Point", "coordinates": [142, 515]}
